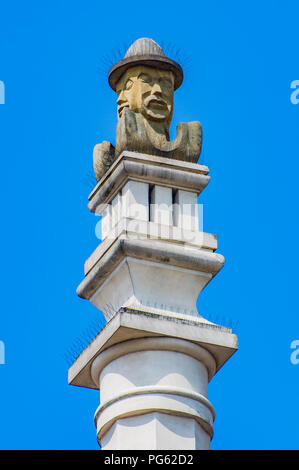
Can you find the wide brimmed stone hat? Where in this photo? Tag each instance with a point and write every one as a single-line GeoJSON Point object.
{"type": "Point", "coordinates": [145, 51]}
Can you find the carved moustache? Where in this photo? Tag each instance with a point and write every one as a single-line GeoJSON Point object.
{"type": "Point", "coordinates": [121, 108]}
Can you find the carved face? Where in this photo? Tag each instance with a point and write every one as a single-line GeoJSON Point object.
{"type": "Point", "coordinates": [148, 91]}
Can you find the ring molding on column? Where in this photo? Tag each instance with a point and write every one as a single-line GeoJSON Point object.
{"type": "Point", "coordinates": [163, 399]}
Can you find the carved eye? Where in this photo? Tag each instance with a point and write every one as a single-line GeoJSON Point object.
{"type": "Point", "coordinates": [128, 84]}
{"type": "Point", "coordinates": [145, 78]}
{"type": "Point", "coordinates": [165, 82]}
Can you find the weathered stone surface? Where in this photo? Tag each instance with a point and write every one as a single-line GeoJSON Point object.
{"type": "Point", "coordinates": [103, 157]}
{"type": "Point", "coordinates": [156, 251]}
{"type": "Point", "coordinates": [127, 228]}
{"type": "Point", "coordinates": [144, 46]}
{"type": "Point", "coordinates": [135, 134]}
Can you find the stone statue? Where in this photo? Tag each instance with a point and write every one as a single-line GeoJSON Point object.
{"type": "Point", "coordinates": [145, 81]}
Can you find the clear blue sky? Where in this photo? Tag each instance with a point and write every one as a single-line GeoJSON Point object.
{"type": "Point", "coordinates": [239, 60]}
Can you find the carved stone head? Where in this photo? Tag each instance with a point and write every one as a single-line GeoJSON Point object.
{"type": "Point", "coordinates": [145, 80]}
{"type": "Point", "coordinates": [148, 91]}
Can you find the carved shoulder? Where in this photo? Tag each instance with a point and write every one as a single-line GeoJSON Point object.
{"type": "Point", "coordinates": [103, 157]}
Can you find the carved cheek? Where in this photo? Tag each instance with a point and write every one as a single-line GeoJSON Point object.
{"type": "Point", "coordinates": [137, 97]}
{"type": "Point", "coordinates": [127, 96]}
{"type": "Point", "coordinates": [131, 97]}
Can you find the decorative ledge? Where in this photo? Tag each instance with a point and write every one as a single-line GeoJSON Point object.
{"type": "Point", "coordinates": [147, 168]}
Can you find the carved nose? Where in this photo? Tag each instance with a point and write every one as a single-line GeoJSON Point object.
{"type": "Point", "coordinates": [156, 89]}
{"type": "Point", "coordinates": [121, 99]}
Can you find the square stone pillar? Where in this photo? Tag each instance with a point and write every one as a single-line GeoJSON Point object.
{"type": "Point", "coordinates": [161, 205]}
{"type": "Point", "coordinates": [135, 200]}
{"type": "Point", "coordinates": [186, 210]}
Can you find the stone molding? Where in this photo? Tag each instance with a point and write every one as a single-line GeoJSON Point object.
{"type": "Point", "coordinates": [127, 229]}
{"type": "Point", "coordinates": [160, 389]}
{"type": "Point", "coordinates": [140, 404]}
{"type": "Point", "coordinates": [130, 324]}
{"type": "Point", "coordinates": [152, 344]}
{"type": "Point", "coordinates": [151, 250]}
{"type": "Point", "coordinates": [147, 168]}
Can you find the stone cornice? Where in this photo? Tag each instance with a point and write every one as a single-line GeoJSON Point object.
{"type": "Point", "coordinates": [147, 168]}
{"type": "Point", "coordinates": [152, 250]}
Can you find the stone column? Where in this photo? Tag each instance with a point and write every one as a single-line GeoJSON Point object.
{"type": "Point", "coordinates": [155, 357]}
{"type": "Point", "coordinates": [154, 393]}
